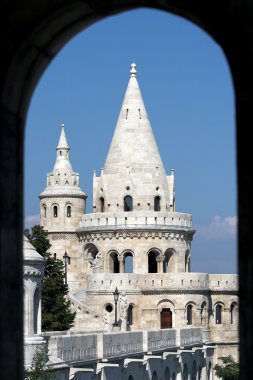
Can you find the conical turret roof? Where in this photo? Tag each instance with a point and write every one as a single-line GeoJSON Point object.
{"type": "Point", "coordinates": [133, 165]}
{"type": "Point", "coordinates": [62, 180]}
{"type": "Point", "coordinates": [133, 144]}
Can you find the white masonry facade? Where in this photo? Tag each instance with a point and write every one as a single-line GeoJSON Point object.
{"type": "Point", "coordinates": [136, 241]}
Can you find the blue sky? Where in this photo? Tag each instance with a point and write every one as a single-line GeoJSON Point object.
{"type": "Point", "coordinates": [188, 92]}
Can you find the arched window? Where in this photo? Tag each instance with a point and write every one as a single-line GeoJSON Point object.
{"type": "Point", "coordinates": [218, 314]}
{"type": "Point", "coordinates": [203, 313]}
{"type": "Point", "coordinates": [44, 211]}
{"type": "Point", "coordinates": [233, 315]}
{"type": "Point", "coordinates": [128, 262]}
{"type": "Point", "coordinates": [130, 315]}
{"type": "Point", "coordinates": [189, 314]}
{"type": "Point", "coordinates": [152, 263]}
{"type": "Point", "coordinates": [113, 262]}
{"type": "Point", "coordinates": [157, 203]}
{"type": "Point", "coordinates": [130, 377]}
{"type": "Point", "coordinates": [55, 211]}
{"type": "Point", "coordinates": [68, 211]}
{"type": "Point", "coordinates": [154, 376]}
{"type": "Point", "coordinates": [128, 203]}
{"type": "Point", "coordinates": [102, 204]}
{"type": "Point", "coordinates": [36, 311]}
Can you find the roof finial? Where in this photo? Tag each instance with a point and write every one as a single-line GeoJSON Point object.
{"type": "Point", "coordinates": [133, 70]}
{"type": "Point", "coordinates": [62, 125]}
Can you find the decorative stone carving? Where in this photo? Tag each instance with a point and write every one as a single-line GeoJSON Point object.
{"type": "Point", "coordinates": [97, 263]}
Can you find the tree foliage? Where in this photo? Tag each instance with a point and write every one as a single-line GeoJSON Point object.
{"type": "Point", "coordinates": [39, 369]}
{"type": "Point", "coordinates": [229, 370]}
{"type": "Point", "coordinates": [56, 311]}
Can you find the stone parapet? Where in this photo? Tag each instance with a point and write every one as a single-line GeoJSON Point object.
{"type": "Point", "coordinates": [162, 281]}
{"type": "Point", "coordinates": [87, 347]}
{"type": "Point", "coordinates": [138, 219]}
{"type": "Point", "coordinates": [145, 282]}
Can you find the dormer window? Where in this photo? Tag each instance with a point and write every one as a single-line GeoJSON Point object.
{"type": "Point", "coordinates": [128, 203]}
{"type": "Point", "coordinates": [55, 211]}
{"type": "Point", "coordinates": [157, 203]}
{"type": "Point", "coordinates": [68, 211]}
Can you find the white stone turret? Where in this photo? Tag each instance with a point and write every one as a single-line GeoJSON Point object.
{"type": "Point", "coordinates": [33, 271]}
{"type": "Point", "coordinates": [133, 166]}
{"type": "Point", "coordinates": [63, 201]}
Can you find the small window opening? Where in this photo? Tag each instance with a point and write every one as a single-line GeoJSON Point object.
{"type": "Point", "coordinates": [128, 203]}
{"type": "Point", "coordinates": [127, 113]}
{"type": "Point", "coordinates": [60, 153]}
{"type": "Point", "coordinates": [152, 263]}
{"type": "Point", "coordinates": [157, 203]}
{"type": "Point", "coordinates": [218, 310]}
{"type": "Point", "coordinates": [130, 315]}
{"type": "Point", "coordinates": [102, 204]}
{"type": "Point", "coordinates": [68, 211]}
{"type": "Point", "coordinates": [128, 262]}
{"type": "Point", "coordinates": [109, 308]}
{"type": "Point", "coordinates": [55, 211]}
{"type": "Point", "coordinates": [189, 314]}
{"type": "Point", "coordinates": [139, 113]}
{"type": "Point", "coordinates": [44, 211]}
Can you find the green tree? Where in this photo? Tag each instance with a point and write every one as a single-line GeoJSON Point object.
{"type": "Point", "coordinates": [56, 311]}
{"type": "Point", "coordinates": [39, 369]}
{"type": "Point", "coordinates": [229, 370]}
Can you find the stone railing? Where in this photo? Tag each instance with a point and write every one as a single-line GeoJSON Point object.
{"type": "Point", "coordinates": [190, 336]}
{"type": "Point", "coordinates": [223, 282]}
{"type": "Point", "coordinates": [161, 339]}
{"type": "Point", "coordinates": [118, 344]}
{"type": "Point", "coordinates": [132, 281]}
{"type": "Point", "coordinates": [79, 348]}
{"type": "Point", "coordinates": [149, 219]}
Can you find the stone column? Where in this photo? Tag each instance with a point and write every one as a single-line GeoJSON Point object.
{"type": "Point", "coordinates": [121, 264]}
{"type": "Point", "coordinates": [160, 260]}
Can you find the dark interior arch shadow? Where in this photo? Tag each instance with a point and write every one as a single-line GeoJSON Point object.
{"type": "Point", "coordinates": [32, 32]}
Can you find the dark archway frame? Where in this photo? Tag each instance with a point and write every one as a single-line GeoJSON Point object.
{"type": "Point", "coordinates": [32, 32]}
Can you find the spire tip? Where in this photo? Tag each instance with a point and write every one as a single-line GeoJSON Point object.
{"type": "Point", "coordinates": [133, 70]}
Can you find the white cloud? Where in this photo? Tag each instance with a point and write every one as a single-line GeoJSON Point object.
{"type": "Point", "coordinates": [31, 220]}
{"type": "Point", "coordinates": [219, 228]}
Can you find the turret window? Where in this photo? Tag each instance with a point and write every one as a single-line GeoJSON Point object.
{"type": "Point", "coordinates": [128, 203]}
{"type": "Point", "coordinates": [218, 314]}
{"type": "Point", "coordinates": [157, 203]}
{"type": "Point", "coordinates": [189, 314]}
{"type": "Point", "coordinates": [68, 211]}
{"type": "Point", "coordinates": [55, 211]}
{"type": "Point", "coordinates": [102, 204]}
{"type": "Point", "coordinates": [44, 211]}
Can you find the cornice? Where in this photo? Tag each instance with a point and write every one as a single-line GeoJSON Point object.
{"type": "Point", "coordinates": [139, 233]}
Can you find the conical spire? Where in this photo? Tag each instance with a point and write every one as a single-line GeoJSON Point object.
{"type": "Point", "coordinates": [133, 144]}
{"type": "Point", "coordinates": [62, 180]}
{"type": "Point", "coordinates": [62, 141]}
{"type": "Point", "coordinates": [62, 153]}
{"type": "Point", "coordinates": [133, 165]}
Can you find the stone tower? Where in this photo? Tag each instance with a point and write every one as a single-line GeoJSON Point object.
{"type": "Point", "coordinates": [62, 203]}
{"type": "Point", "coordinates": [134, 225]}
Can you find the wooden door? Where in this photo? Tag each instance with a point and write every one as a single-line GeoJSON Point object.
{"type": "Point", "coordinates": [166, 319]}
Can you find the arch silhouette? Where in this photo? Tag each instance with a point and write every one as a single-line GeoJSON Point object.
{"type": "Point", "coordinates": [42, 29]}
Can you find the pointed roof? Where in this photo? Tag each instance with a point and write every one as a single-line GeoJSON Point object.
{"type": "Point", "coordinates": [62, 158]}
{"type": "Point", "coordinates": [62, 141]}
{"type": "Point", "coordinates": [29, 252]}
{"type": "Point", "coordinates": [133, 144]}
{"type": "Point", "coordinates": [62, 180]}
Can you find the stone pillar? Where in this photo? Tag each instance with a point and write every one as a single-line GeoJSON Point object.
{"type": "Point", "coordinates": [160, 260]}
{"type": "Point", "coordinates": [121, 264]}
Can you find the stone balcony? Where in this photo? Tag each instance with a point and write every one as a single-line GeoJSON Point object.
{"type": "Point", "coordinates": [136, 220]}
